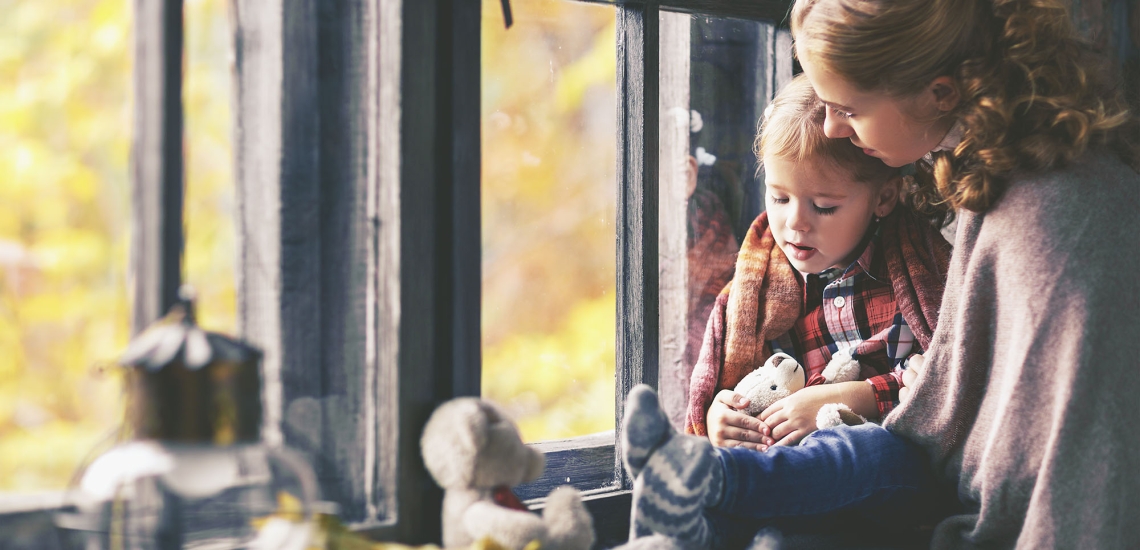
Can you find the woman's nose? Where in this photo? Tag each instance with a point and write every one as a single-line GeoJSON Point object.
{"type": "Point", "coordinates": [835, 127]}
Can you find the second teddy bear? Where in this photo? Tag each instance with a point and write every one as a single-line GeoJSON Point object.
{"type": "Point", "coordinates": [474, 452]}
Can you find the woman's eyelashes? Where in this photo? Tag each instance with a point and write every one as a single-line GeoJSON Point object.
{"type": "Point", "coordinates": [841, 114]}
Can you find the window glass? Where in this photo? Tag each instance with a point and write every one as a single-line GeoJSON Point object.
{"type": "Point", "coordinates": [65, 123]}
{"type": "Point", "coordinates": [208, 211]}
{"type": "Point", "coordinates": [717, 76]}
{"type": "Point", "coordinates": [65, 139]}
{"type": "Point", "coordinates": [548, 206]}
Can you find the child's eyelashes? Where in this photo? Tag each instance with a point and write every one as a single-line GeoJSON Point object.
{"type": "Point", "coordinates": [823, 211]}
{"type": "Point", "coordinates": [842, 114]}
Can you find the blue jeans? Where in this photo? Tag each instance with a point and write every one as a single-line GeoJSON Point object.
{"type": "Point", "coordinates": [864, 471]}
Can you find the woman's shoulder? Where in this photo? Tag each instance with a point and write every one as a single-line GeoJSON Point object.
{"type": "Point", "coordinates": [1096, 184]}
{"type": "Point", "coordinates": [1083, 212]}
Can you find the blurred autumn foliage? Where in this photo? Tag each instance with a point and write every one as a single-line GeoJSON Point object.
{"type": "Point", "coordinates": [549, 194]}
{"type": "Point", "coordinates": [65, 138]}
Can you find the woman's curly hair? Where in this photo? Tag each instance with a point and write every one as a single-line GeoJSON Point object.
{"type": "Point", "coordinates": [1033, 94]}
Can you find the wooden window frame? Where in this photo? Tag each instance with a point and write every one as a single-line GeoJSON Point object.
{"type": "Point", "coordinates": [592, 462]}
{"type": "Point", "coordinates": [357, 148]}
{"type": "Point", "coordinates": [394, 218]}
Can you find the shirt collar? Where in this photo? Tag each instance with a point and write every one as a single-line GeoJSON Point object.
{"type": "Point", "coordinates": [951, 140]}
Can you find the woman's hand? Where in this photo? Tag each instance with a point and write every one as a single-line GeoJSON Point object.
{"type": "Point", "coordinates": [729, 427]}
{"type": "Point", "coordinates": [794, 417]}
{"type": "Point", "coordinates": [914, 367]}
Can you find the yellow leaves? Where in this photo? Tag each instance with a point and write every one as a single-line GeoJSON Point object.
{"type": "Point", "coordinates": [46, 457]}
{"type": "Point", "coordinates": [549, 188]}
{"type": "Point", "coordinates": [65, 138]}
{"type": "Point", "coordinates": [596, 68]}
{"type": "Point", "coordinates": [557, 384]}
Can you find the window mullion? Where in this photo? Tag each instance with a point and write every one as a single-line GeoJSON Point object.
{"type": "Point", "coordinates": [156, 160]}
{"type": "Point", "coordinates": [637, 247]}
{"type": "Point", "coordinates": [769, 10]}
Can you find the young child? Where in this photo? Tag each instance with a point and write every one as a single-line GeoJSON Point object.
{"type": "Point", "coordinates": [835, 266]}
{"type": "Point", "coordinates": [1033, 364]}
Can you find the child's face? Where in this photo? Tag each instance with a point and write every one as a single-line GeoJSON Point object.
{"type": "Point", "coordinates": [818, 213]}
{"type": "Point", "coordinates": [897, 131]}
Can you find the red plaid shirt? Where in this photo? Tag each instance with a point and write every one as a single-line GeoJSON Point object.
{"type": "Point", "coordinates": [854, 309]}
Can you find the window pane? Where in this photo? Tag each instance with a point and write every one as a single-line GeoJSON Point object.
{"type": "Point", "coordinates": [65, 130]}
{"type": "Point", "coordinates": [209, 203]}
{"type": "Point", "coordinates": [717, 76]}
{"type": "Point", "coordinates": [548, 204]}
{"type": "Point", "coordinates": [65, 123]}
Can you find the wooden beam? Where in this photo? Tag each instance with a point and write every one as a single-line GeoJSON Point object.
{"type": "Point", "coordinates": [758, 10]}
{"type": "Point", "coordinates": [673, 232]}
{"type": "Point", "coordinates": [429, 251]}
{"type": "Point", "coordinates": [156, 161]}
{"type": "Point", "coordinates": [637, 207]}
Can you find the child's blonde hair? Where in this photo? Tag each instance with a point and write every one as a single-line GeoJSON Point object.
{"type": "Point", "coordinates": [1029, 97]}
{"type": "Point", "coordinates": [792, 129]}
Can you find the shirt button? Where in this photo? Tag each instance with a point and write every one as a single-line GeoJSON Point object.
{"type": "Point", "coordinates": [839, 301]}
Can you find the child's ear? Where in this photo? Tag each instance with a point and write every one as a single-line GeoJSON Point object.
{"type": "Point", "coordinates": [888, 196]}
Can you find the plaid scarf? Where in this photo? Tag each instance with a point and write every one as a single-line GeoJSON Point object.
{"type": "Point", "coordinates": [765, 298]}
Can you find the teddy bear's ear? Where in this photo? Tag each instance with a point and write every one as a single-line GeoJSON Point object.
{"type": "Point", "coordinates": [776, 358]}
{"type": "Point", "coordinates": [452, 438]}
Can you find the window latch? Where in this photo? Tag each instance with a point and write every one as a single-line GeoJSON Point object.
{"type": "Point", "coordinates": [507, 13]}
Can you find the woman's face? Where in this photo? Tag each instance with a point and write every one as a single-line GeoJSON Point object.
{"type": "Point", "coordinates": [897, 131]}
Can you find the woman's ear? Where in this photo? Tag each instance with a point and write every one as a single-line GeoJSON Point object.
{"type": "Point", "coordinates": [888, 196]}
{"type": "Point", "coordinates": [945, 93]}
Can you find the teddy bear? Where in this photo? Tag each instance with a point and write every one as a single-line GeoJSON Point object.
{"type": "Point", "coordinates": [474, 452]}
{"type": "Point", "coordinates": [781, 376]}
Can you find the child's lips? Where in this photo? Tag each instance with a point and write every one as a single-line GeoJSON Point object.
{"type": "Point", "coordinates": [800, 252]}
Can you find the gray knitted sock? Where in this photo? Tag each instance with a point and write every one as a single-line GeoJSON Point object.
{"type": "Point", "coordinates": [676, 476]}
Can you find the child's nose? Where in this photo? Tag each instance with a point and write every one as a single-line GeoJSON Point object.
{"type": "Point", "coordinates": [797, 221]}
{"type": "Point", "coordinates": [835, 127]}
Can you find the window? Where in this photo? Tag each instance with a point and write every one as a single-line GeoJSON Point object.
{"type": "Point", "coordinates": [359, 219]}
{"type": "Point", "coordinates": [360, 227]}
{"type": "Point", "coordinates": [548, 140]}
{"type": "Point", "coordinates": [65, 222]}
{"type": "Point", "coordinates": [374, 163]}
{"type": "Point", "coordinates": [727, 69]}
{"type": "Point", "coordinates": [357, 228]}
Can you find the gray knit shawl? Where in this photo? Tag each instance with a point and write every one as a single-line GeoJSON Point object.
{"type": "Point", "coordinates": [1030, 402]}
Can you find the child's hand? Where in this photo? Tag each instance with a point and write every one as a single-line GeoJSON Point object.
{"type": "Point", "coordinates": [914, 367]}
{"type": "Point", "coordinates": [729, 427]}
{"type": "Point", "coordinates": [793, 417]}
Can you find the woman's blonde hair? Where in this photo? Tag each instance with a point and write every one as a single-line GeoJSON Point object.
{"type": "Point", "coordinates": [792, 129]}
{"type": "Point", "coordinates": [1030, 97]}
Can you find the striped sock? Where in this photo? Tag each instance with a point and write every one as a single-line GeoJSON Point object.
{"type": "Point", "coordinates": [675, 476]}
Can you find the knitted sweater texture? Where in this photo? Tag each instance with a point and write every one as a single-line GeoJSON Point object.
{"type": "Point", "coordinates": [1030, 400]}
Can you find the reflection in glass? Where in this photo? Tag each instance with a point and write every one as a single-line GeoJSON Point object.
{"type": "Point", "coordinates": [717, 76]}
{"type": "Point", "coordinates": [548, 203]}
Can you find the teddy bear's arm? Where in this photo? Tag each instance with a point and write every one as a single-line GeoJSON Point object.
{"type": "Point", "coordinates": [841, 368]}
{"type": "Point", "coordinates": [510, 528]}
